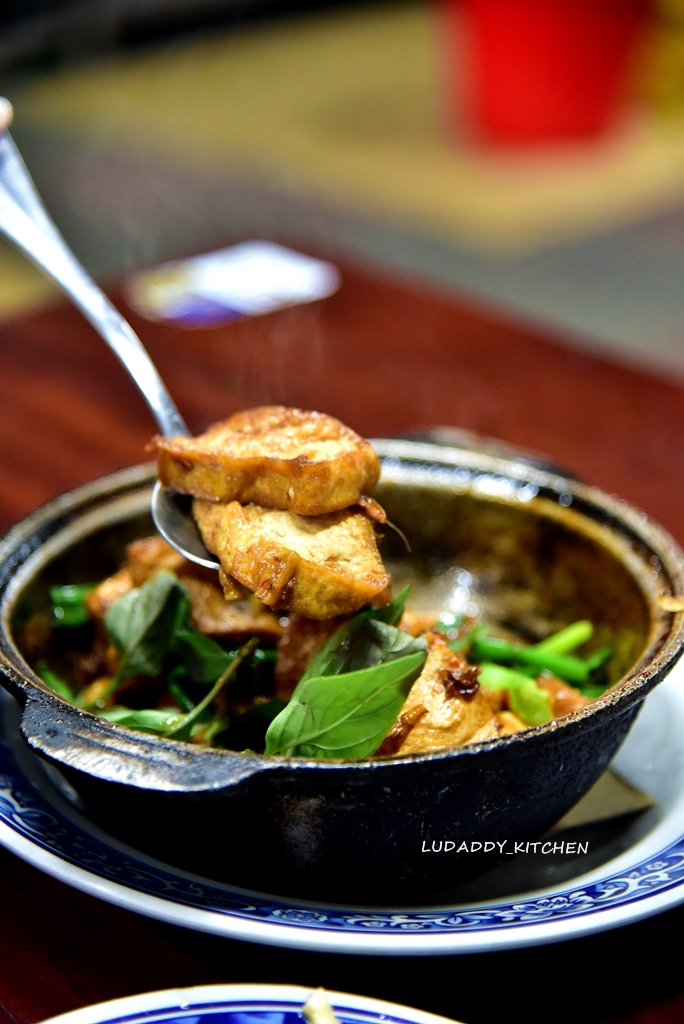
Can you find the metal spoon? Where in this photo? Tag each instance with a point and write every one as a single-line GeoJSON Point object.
{"type": "Point", "coordinates": [24, 220]}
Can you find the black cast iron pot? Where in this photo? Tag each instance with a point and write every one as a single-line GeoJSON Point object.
{"type": "Point", "coordinates": [534, 550]}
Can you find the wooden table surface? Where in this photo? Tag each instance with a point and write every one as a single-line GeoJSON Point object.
{"type": "Point", "coordinates": [385, 356]}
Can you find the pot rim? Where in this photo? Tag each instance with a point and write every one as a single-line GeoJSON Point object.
{"type": "Point", "coordinates": [500, 478]}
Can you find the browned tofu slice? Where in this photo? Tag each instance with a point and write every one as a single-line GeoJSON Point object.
{"type": "Point", "coordinates": [241, 615]}
{"type": "Point", "coordinates": [509, 723]}
{"type": "Point", "coordinates": [301, 641]}
{"type": "Point", "coordinates": [456, 710]}
{"type": "Point", "coordinates": [144, 559]}
{"type": "Point", "coordinates": [317, 566]}
{"type": "Point", "coordinates": [273, 456]}
{"type": "Point", "coordinates": [107, 592]}
{"type": "Point", "coordinates": [213, 615]}
{"type": "Point", "coordinates": [564, 699]}
{"type": "Point", "coordinates": [148, 556]}
{"type": "Point", "coordinates": [416, 623]}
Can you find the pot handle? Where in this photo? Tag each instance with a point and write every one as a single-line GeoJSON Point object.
{"type": "Point", "coordinates": [73, 739]}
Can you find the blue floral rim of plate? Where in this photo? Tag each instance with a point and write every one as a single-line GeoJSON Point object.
{"type": "Point", "coordinates": [266, 1011]}
{"type": "Point", "coordinates": [26, 812]}
{"type": "Point", "coordinates": [241, 1004]}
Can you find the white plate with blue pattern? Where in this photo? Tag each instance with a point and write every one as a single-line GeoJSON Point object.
{"type": "Point", "coordinates": [639, 872]}
{"type": "Point", "coordinates": [240, 1004]}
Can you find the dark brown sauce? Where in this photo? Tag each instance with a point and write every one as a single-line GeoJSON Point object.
{"type": "Point", "coordinates": [461, 680]}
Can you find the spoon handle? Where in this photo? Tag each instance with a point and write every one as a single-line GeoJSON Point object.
{"type": "Point", "coordinates": [24, 220]}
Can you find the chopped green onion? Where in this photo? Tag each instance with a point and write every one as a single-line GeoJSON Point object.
{"type": "Point", "coordinates": [496, 677]}
{"type": "Point", "coordinates": [565, 666]}
{"type": "Point", "coordinates": [599, 658]}
{"type": "Point", "coordinates": [593, 691]}
{"type": "Point", "coordinates": [568, 639]}
{"type": "Point", "coordinates": [528, 701]}
{"type": "Point", "coordinates": [68, 604]}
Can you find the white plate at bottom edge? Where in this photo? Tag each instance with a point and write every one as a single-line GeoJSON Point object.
{"type": "Point", "coordinates": [42, 827]}
{"type": "Point", "coordinates": [240, 1004]}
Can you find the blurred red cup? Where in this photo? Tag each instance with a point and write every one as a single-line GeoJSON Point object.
{"type": "Point", "coordinates": [536, 70]}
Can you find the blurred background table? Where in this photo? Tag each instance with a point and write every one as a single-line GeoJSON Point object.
{"type": "Point", "coordinates": [386, 356]}
{"type": "Point", "coordinates": [152, 133]}
{"type": "Point", "coordinates": [158, 129]}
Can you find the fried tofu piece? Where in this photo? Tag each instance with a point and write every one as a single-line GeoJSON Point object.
{"type": "Point", "coordinates": [457, 712]}
{"type": "Point", "coordinates": [213, 612]}
{"type": "Point", "coordinates": [213, 615]}
{"type": "Point", "coordinates": [146, 557]}
{"type": "Point", "coordinates": [301, 641]}
{"type": "Point", "coordinates": [416, 623]}
{"type": "Point", "coordinates": [495, 698]}
{"type": "Point", "coordinates": [400, 730]}
{"type": "Point", "coordinates": [318, 566]}
{"type": "Point", "coordinates": [564, 699]}
{"type": "Point", "coordinates": [107, 592]}
{"type": "Point", "coordinates": [510, 723]}
{"type": "Point", "coordinates": [273, 456]}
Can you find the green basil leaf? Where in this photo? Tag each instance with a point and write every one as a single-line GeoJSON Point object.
{"type": "Point", "coordinates": [203, 657]}
{"type": "Point", "coordinates": [68, 604]}
{"type": "Point", "coordinates": [391, 613]}
{"type": "Point", "coordinates": [372, 643]}
{"type": "Point", "coordinates": [147, 720]}
{"type": "Point", "coordinates": [363, 642]}
{"type": "Point", "coordinates": [177, 676]}
{"type": "Point", "coordinates": [344, 716]}
{"type": "Point", "coordinates": [178, 681]}
{"type": "Point", "coordinates": [54, 681]}
{"type": "Point", "coordinates": [142, 624]}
